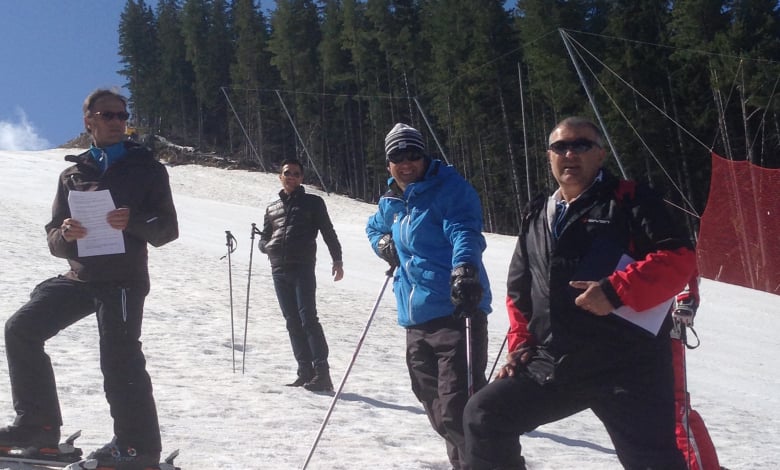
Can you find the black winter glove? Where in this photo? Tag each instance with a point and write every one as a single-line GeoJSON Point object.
{"type": "Point", "coordinates": [466, 290]}
{"type": "Point", "coordinates": [386, 249]}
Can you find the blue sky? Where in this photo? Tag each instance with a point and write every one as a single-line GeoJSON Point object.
{"type": "Point", "coordinates": [53, 53]}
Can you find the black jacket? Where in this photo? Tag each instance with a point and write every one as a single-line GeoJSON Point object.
{"type": "Point", "coordinates": [597, 230]}
{"type": "Point", "coordinates": [290, 229]}
{"type": "Point", "coordinates": [138, 182]}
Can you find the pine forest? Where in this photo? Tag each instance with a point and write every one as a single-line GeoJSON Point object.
{"type": "Point", "coordinates": [483, 80]}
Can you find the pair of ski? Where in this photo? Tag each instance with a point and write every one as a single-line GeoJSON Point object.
{"type": "Point", "coordinates": [69, 457]}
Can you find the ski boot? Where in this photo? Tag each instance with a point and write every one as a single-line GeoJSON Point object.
{"type": "Point", "coordinates": [37, 445]}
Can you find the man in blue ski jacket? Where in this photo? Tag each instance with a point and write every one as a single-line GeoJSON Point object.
{"type": "Point", "coordinates": [429, 226]}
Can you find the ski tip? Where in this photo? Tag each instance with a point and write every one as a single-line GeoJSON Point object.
{"type": "Point", "coordinates": [87, 464]}
{"type": "Point", "coordinates": [172, 456]}
{"type": "Point", "coordinates": [72, 438]}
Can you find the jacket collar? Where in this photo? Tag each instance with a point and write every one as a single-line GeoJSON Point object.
{"type": "Point", "coordinates": [288, 197]}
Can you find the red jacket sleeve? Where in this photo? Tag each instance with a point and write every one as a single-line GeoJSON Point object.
{"type": "Point", "coordinates": [661, 275]}
{"type": "Point", "coordinates": [518, 327]}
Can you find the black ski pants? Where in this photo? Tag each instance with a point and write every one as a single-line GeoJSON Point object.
{"type": "Point", "coordinates": [56, 304]}
{"type": "Point", "coordinates": [437, 363]}
{"type": "Point", "coordinates": [296, 288]}
{"type": "Point", "coordinates": [635, 403]}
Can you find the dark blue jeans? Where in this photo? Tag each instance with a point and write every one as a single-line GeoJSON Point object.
{"type": "Point", "coordinates": [56, 304]}
{"type": "Point", "coordinates": [296, 287]}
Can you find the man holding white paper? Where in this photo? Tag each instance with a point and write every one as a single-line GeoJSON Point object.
{"type": "Point", "coordinates": [598, 245]}
{"type": "Point", "coordinates": [113, 201]}
{"type": "Point", "coordinates": [93, 210]}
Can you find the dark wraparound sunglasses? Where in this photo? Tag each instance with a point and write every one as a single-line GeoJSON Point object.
{"type": "Point", "coordinates": [575, 146]}
{"type": "Point", "coordinates": [398, 157]}
{"type": "Point", "coordinates": [110, 115]}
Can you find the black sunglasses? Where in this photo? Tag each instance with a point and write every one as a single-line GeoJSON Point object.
{"type": "Point", "coordinates": [110, 115]}
{"type": "Point", "coordinates": [398, 157]}
{"type": "Point", "coordinates": [575, 146]}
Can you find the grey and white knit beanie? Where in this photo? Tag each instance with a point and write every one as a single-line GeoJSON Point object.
{"type": "Point", "coordinates": [402, 137]}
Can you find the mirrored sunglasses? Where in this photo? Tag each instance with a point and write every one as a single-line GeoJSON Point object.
{"type": "Point", "coordinates": [575, 146]}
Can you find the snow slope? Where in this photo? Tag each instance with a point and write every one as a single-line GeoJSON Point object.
{"type": "Point", "coordinates": [226, 419]}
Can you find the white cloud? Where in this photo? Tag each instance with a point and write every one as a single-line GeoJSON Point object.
{"type": "Point", "coordinates": [21, 135]}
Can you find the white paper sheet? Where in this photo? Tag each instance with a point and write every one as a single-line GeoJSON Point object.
{"type": "Point", "coordinates": [90, 208]}
{"type": "Point", "coordinates": [650, 319]}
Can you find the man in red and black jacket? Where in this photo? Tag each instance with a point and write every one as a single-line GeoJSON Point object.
{"type": "Point", "coordinates": [582, 253]}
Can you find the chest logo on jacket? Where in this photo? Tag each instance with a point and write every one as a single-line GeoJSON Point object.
{"type": "Point", "coordinates": [596, 221]}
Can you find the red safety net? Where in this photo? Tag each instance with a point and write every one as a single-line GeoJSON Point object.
{"type": "Point", "coordinates": [739, 236]}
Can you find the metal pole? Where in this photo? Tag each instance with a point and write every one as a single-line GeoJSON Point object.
{"type": "Point", "coordinates": [592, 101]}
{"type": "Point", "coordinates": [241, 125]}
{"type": "Point", "coordinates": [525, 134]}
{"type": "Point", "coordinates": [388, 276]}
{"type": "Point", "coordinates": [300, 139]}
{"type": "Point", "coordinates": [430, 129]}
{"type": "Point", "coordinates": [248, 284]}
{"type": "Point", "coordinates": [686, 398]}
{"type": "Point", "coordinates": [231, 247]}
{"type": "Point", "coordinates": [498, 356]}
{"type": "Point", "coordinates": [469, 366]}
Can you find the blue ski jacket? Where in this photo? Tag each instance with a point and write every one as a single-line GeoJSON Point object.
{"type": "Point", "coordinates": [436, 226]}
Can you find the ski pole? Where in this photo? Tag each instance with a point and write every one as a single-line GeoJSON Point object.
{"type": "Point", "coordinates": [498, 356]}
{"type": "Point", "coordinates": [255, 231]}
{"type": "Point", "coordinates": [469, 366]}
{"type": "Point", "coordinates": [231, 247]}
{"type": "Point", "coordinates": [686, 398]}
{"type": "Point", "coordinates": [388, 276]}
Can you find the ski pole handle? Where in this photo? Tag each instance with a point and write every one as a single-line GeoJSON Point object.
{"type": "Point", "coordinates": [231, 241]}
{"type": "Point", "coordinates": [255, 231]}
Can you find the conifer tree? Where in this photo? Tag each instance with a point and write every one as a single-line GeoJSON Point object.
{"type": "Point", "coordinates": [250, 73]}
{"type": "Point", "coordinates": [635, 78]}
{"type": "Point", "coordinates": [195, 24]}
{"type": "Point", "coordinates": [177, 101]}
{"type": "Point", "coordinates": [465, 81]}
{"type": "Point", "coordinates": [140, 56]}
{"type": "Point", "coordinates": [339, 111]}
{"type": "Point", "coordinates": [754, 36]}
{"type": "Point", "coordinates": [219, 56]}
{"type": "Point", "coordinates": [295, 34]}
{"type": "Point", "coordinates": [694, 27]}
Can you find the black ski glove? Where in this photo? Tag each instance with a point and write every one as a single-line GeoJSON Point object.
{"type": "Point", "coordinates": [386, 249]}
{"type": "Point", "coordinates": [466, 290]}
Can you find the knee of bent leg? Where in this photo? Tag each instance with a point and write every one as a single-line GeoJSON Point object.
{"type": "Point", "coordinates": [18, 329]}
{"type": "Point", "coordinates": [475, 415]}
{"type": "Point", "coordinates": [10, 328]}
